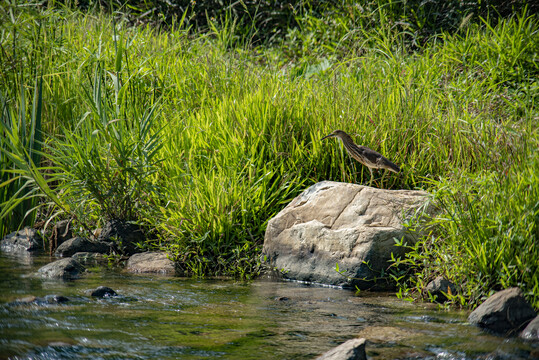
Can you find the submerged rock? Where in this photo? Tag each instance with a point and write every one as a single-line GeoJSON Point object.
{"type": "Point", "coordinates": [439, 287]}
{"type": "Point", "coordinates": [103, 291]}
{"type": "Point", "coordinates": [66, 269]}
{"type": "Point", "coordinates": [351, 350]}
{"type": "Point", "coordinates": [386, 334]}
{"type": "Point", "coordinates": [505, 312]}
{"type": "Point", "coordinates": [80, 244]}
{"type": "Point", "coordinates": [151, 262]}
{"type": "Point", "coordinates": [90, 258]}
{"type": "Point", "coordinates": [333, 223]}
{"type": "Point", "coordinates": [33, 300]}
{"type": "Point", "coordinates": [531, 332]}
{"type": "Point", "coordinates": [23, 241]}
{"type": "Point", "coordinates": [123, 236]}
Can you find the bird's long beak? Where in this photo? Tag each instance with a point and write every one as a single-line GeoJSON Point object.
{"type": "Point", "coordinates": [327, 136]}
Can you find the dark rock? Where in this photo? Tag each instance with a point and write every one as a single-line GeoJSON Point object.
{"type": "Point", "coordinates": [123, 235]}
{"type": "Point", "coordinates": [66, 269]}
{"type": "Point", "coordinates": [351, 225]}
{"type": "Point", "coordinates": [56, 299]}
{"type": "Point", "coordinates": [61, 232]}
{"type": "Point", "coordinates": [22, 241]}
{"type": "Point", "coordinates": [151, 262]}
{"type": "Point", "coordinates": [351, 350]}
{"type": "Point", "coordinates": [80, 244]}
{"type": "Point", "coordinates": [439, 287]}
{"type": "Point", "coordinates": [531, 332]}
{"type": "Point", "coordinates": [103, 291]}
{"type": "Point", "coordinates": [505, 312]}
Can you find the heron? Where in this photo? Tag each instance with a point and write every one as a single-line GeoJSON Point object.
{"type": "Point", "coordinates": [366, 156]}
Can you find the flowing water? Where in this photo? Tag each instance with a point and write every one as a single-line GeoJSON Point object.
{"type": "Point", "coordinates": [156, 317]}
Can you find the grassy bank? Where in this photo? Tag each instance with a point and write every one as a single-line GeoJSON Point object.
{"type": "Point", "coordinates": [202, 137]}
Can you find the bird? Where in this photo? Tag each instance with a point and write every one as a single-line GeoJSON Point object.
{"type": "Point", "coordinates": [366, 156]}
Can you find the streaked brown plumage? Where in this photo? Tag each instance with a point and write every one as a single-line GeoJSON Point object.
{"type": "Point", "coordinates": [366, 156]}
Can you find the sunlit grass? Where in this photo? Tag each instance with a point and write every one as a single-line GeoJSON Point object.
{"type": "Point", "coordinates": [233, 136]}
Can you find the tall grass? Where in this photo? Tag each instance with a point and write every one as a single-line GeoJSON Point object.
{"type": "Point", "coordinates": [236, 132]}
{"type": "Point", "coordinates": [18, 195]}
{"type": "Point", "coordinates": [484, 239]}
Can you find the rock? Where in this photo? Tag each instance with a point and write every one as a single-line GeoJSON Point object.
{"type": "Point", "coordinates": [346, 224]}
{"type": "Point", "coordinates": [33, 300]}
{"type": "Point", "coordinates": [439, 287]}
{"type": "Point", "coordinates": [387, 334]}
{"type": "Point", "coordinates": [61, 232]}
{"type": "Point", "coordinates": [22, 241]}
{"type": "Point", "coordinates": [103, 291]}
{"type": "Point", "coordinates": [151, 262]}
{"type": "Point", "coordinates": [351, 350]}
{"type": "Point", "coordinates": [505, 312]}
{"type": "Point", "coordinates": [531, 332]}
{"type": "Point", "coordinates": [25, 300]}
{"type": "Point", "coordinates": [123, 235]}
{"type": "Point", "coordinates": [80, 244]}
{"type": "Point", "coordinates": [59, 344]}
{"type": "Point", "coordinates": [56, 299]}
{"type": "Point", "coordinates": [66, 269]}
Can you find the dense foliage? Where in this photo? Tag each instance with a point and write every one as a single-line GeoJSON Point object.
{"type": "Point", "coordinates": [202, 130]}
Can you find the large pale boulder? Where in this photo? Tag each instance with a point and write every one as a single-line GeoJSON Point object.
{"type": "Point", "coordinates": [333, 223]}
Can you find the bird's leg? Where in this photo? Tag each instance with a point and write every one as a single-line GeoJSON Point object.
{"type": "Point", "coordinates": [372, 176]}
{"type": "Point", "coordinates": [382, 180]}
{"type": "Point", "coordinates": [354, 174]}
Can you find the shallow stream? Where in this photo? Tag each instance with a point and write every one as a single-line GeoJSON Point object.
{"type": "Point", "coordinates": [156, 317]}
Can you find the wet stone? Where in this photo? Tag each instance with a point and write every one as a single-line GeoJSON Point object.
{"type": "Point", "coordinates": [439, 287]}
{"type": "Point", "coordinates": [531, 332]}
{"type": "Point", "coordinates": [351, 350]}
{"type": "Point", "coordinates": [33, 300]}
{"type": "Point", "coordinates": [22, 241]}
{"type": "Point", "coordinates": [80, 244]}
{"type": "Point", "coordinates": [506, 312]}
{"type": "Point", "coordinates": [66, 269]}
{"type": "Point", "coordinates": [103, 291]}
{"type": "Point", "coordinates": [56, 299]}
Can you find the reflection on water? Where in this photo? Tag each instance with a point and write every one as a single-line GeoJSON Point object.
{"type": "Point", "coordinates": [175, 318]}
